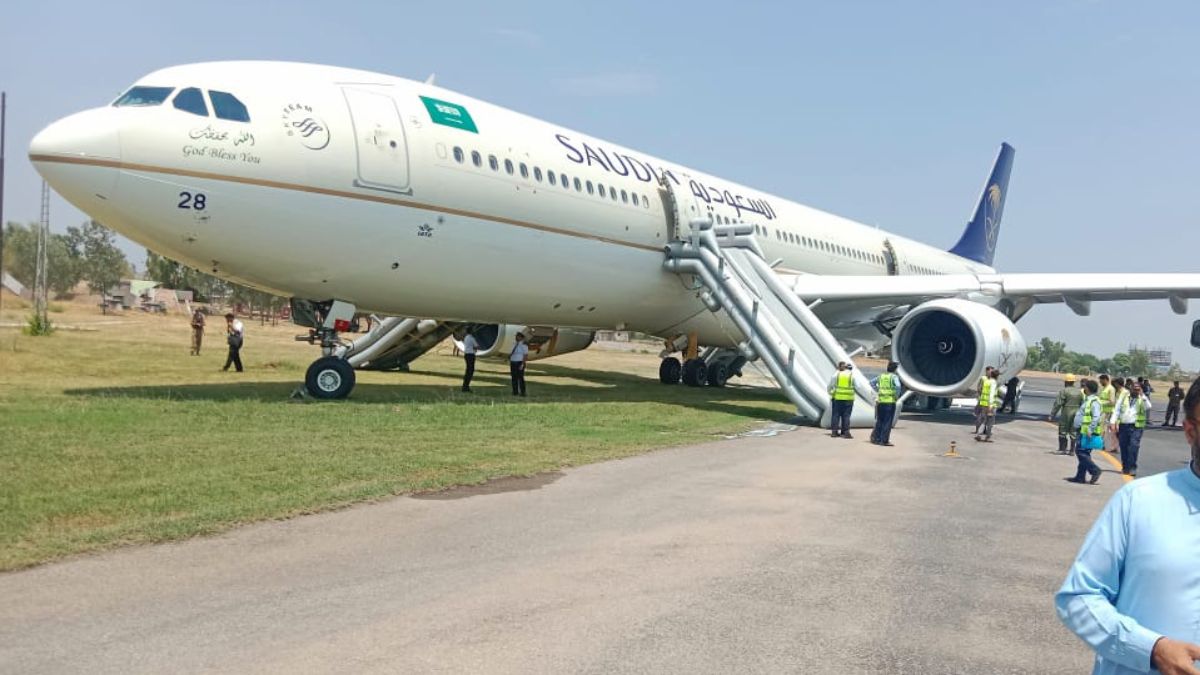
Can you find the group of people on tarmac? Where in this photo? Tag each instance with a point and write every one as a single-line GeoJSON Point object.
{"type": "Point", "coordinates": [234, 337]}
{"type": "Point", "coordinates": [517, 359]}
{"type": "Point", "coordinates": [1105, 414]}
{"type": "Point", "coordinates": [841, 392]}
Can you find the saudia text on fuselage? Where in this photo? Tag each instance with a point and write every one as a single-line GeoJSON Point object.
{"type": "Point", "coordinates": [624, 165]}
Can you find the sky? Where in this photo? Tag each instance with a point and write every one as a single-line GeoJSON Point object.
{"type": "Point", "coordinates": [887, 113]}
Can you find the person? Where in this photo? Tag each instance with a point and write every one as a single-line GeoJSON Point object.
{"type": "Point", "coordinates": [516, 365]}
{"type": "Point", "coordinates": [1112, 419]}
{"type": "Point", "coordinates": [1108, 401]}
{"type": "Point", "coordinates": [1174, 397]}
{"type": "Point", "coordinates": [841, 393]}
{"type": "Point", "coordinates": [979, 408]}
{"type": "Point", "coordinates": [888, 389]}
{"type": "Point", "coordinates": [988, 398]}
{"type": "Point", "coordinates": [197, 331]}
{"type": "Point", "coordinates": [1010, 395]}
{"type": "Point", "coordinates": [1137, 411]}
{"type": "Point", "coordinates": [1065, 405]}
{"type": "Point", "coordinates": [1146, 388]}
{"type": "Point", "coordinates": [469, 347]}
{"type": "Point", "coordinates": [1133, 592]}
{"type": "Point", "coordinates": [1089, 419]}
{"type": "Point", "coordinates": [234, 336]}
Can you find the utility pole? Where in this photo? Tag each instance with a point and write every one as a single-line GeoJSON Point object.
{"type": "Point", "coordinates": [3, 111]}
{"type": "Point", "coordinates": [41, 290]}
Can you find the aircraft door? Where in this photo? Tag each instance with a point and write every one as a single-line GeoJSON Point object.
{"type": "Point", "coordinates": [889, 257]}
{"type": "Point", "coordinates": [379, 140]}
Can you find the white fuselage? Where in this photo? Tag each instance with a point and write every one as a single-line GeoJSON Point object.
{"type": "Point", "coordinates": [346, 184]}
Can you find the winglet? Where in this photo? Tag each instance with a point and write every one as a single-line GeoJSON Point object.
{"type": "Point", "coordinates": [978, 241]}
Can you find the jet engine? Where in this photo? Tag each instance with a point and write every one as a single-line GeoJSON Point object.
{"type": "Point", "coordinates": [943, 346]}
{"type": "Point", "coordinates": [498, 340]}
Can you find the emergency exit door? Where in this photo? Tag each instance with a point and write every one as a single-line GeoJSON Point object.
{"type": "Point", "coordinates": [379, 139]}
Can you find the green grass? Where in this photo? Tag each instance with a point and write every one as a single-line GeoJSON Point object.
{"type": "Point", "coordinates": [116, 436]}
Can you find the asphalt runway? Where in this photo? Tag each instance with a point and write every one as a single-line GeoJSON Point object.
{"type": "Point", "coordinates": [788, 552]}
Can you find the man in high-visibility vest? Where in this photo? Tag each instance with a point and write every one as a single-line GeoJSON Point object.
{"type": "Point", "coordinates": [887, 390]}
{"type": "Point", "coordinates": [979, 410]}
{"type": "Point", "coordinates": [841, 393]}
{"type": "Point", "coordinates": [1133, 410]}
{"type": "Point", "coordinates": [1091, 421]}
{"type": "Point", "coordinates": [989, 399]}
{"type": "Point", "coordinates": [1108, 403]}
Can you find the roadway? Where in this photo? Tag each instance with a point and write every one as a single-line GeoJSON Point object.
{"type": "Point", "coordinates": [765, 553]}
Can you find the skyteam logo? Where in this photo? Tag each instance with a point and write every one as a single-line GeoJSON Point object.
{"type": "Point", "coordinates": [991, 216]}
{"type": "Point", "coordinates": [302, 123]}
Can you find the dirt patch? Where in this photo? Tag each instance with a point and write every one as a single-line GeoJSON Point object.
{"type": "Point", "coordinates": [494, 486]}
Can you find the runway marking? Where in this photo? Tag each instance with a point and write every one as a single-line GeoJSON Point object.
{"type": "Point", "coordinates": [1116, 464]}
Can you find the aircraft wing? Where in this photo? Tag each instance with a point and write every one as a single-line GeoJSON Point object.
{"type": "Point", "coordinates": [1078, 291]}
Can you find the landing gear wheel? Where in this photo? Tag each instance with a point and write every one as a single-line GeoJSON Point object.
{"type": "Point", "coordinates": [329, 377]}
{"type": "Point", "coordinates": [694, 372]}
{"type": "Point", "coordinates": [670, 370]}
{"type": "Point", "coordinates": [718, 374]}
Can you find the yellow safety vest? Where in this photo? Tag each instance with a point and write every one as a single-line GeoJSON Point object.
{"type": "Point", "coordinates": [887, 388]}
{"type": "Point", "coordinates": [844, 391]}
{"type": "Point", "coordinates": [1141, 414]}
{"type": "Point", "coordinates": [1086, 428]}
{"type": "Point", "coordinates": [985, 392]}
{"type": "Point", "coordinates": [1108, 400]}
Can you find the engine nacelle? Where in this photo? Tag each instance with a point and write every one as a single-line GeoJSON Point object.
{"type": "Point", "coordinates": [498, 340]}
{"type": "Point", "coordinates": [943, 346]}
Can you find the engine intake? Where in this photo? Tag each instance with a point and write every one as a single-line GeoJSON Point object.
{"type": "Point", "coordinates": [943, 346]}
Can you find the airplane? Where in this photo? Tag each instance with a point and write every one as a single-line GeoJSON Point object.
{"type": "Point", "coordinates": [352, 191]}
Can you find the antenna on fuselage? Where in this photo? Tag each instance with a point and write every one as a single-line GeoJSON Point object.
{"type": "Point", "coordinates": [430, 79]}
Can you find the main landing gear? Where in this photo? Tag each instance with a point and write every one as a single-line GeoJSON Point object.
{"type": "Point", "coordinates": [331, 376]}
{"type": "Point", "coordinates": [713, 367]}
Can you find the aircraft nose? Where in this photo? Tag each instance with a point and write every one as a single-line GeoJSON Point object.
{"type": "Point", "coordinates": [89, 134]}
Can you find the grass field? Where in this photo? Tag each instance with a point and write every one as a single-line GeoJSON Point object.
{"type": "Point", "coordinates": [112, 434]}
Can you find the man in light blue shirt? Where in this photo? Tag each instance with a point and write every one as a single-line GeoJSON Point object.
{"type": "Point", "coordinates": [1133, 594]}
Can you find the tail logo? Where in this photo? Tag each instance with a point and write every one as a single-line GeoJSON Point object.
{"type": "Point", "coordinates": [991, 216]}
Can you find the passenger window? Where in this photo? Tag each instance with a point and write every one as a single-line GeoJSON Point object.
{"type": "Point", "coordinates": [458, 154]}
{"type": "Point", "coordinates": [550, 177]}
{"type": "Point", "coordinates": [191, 100]}
{"type": "Point", "coordinates": [624, 196]}
{"type": "Point", "coordinates": [228, 107]}
{"type": "Point", "coordinates": [600, 189]}
{"type": "Point", "coordinates": [508, 166]}
{"type": "Point", "coordinates": [578, 185]}
{"type": "Point", "coordinates": [493, 162]}
{"type": "Point", "coordinates": [537, 173]}
{"type": "Point", "coordinates": [524, 170]}
{"type": "Point", "coordinates": [143, 96]}
{"type": "Point", "coordinates": [476, 158]}
{"type": "Point", "coordinates": [589, 187]}
{"type": "Point", "coordinates": [645, 202]}
{"type": "Point", "coordinates": [612, 192]}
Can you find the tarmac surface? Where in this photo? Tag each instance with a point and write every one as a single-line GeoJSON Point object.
{"type": "Point", "coordinates": [787, 551]}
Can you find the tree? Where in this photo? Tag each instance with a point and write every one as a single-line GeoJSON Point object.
{"type": "Point", "coordinates": [102, 263]}
{"type": "Point", "coordinates": [1176, 372]}
{"type": "Point", "coordinates": [1139, 362]}
{"type": "Point", "coordinates": [176, 275]}
{"type": "Point", "coordinates": [20, 258]}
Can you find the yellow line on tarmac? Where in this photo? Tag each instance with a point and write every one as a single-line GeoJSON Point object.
{"type": "Point", "coordinates": [1116, 464]}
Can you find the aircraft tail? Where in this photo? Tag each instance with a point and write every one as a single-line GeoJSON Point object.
{"type": "Point", "coordinates": [978, 241]}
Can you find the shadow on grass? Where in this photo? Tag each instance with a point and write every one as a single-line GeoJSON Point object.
{"type": "Point", "coordinates": [489, 388]}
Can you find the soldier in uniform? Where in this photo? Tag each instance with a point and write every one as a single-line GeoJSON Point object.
{"type": "Point", "coordinates": [197, 331]}
{"type": "Point", "coordinates": [1065, 406]}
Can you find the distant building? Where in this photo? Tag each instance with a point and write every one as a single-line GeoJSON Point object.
{"type": "Point", "coordinates": [1160, 357]}
{"type": "Point", "coordinates": [15, 287]}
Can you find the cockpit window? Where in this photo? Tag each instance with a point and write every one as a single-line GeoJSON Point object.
{"type": "Point", "coordinates": [191, 100]}
{"type": "Point", "coordinates": [228, 107]}
{"type": "Point", "coordinates": [144, 96]}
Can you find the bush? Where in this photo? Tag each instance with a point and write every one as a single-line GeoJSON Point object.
{"type": "Point", "coordinates": [56, 308]}
{"type": "Point", "coordinates": [35, 326]}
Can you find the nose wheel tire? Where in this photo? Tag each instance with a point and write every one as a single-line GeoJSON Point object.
{"type": "Point", "coordinates": [670, 370]}
{"type": "Point", "coordinates": [329, 377]}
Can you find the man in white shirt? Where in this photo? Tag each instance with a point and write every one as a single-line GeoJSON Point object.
{"type": "Point", "coordinates": [1129, 417]}
{"type": "Point", "coordinates": [516, 365]}
{"type": "Point", "coordinates": [469, 347]}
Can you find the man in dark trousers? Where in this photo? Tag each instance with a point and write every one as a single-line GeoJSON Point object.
{"type": "Point", "coordinates": [1174, 396]}
{"type": "Point", "coordinates": [516, 365]}
{"type": "Point", "coordinates": [841, 393]}
{"type": "Point", "coordinates": [1010, 395]}
{"type": "Point", "coordinates": [469, 347]}
{"type": "Point", "coordinates": [234, 334]}
{"type": "Point", "coordinates": [888, 389]}
{"type": "Point", "coordinates": [1091, 421]}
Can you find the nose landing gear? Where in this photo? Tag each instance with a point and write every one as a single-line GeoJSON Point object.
{"type": "Point", "coordinates": [331, 376]}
